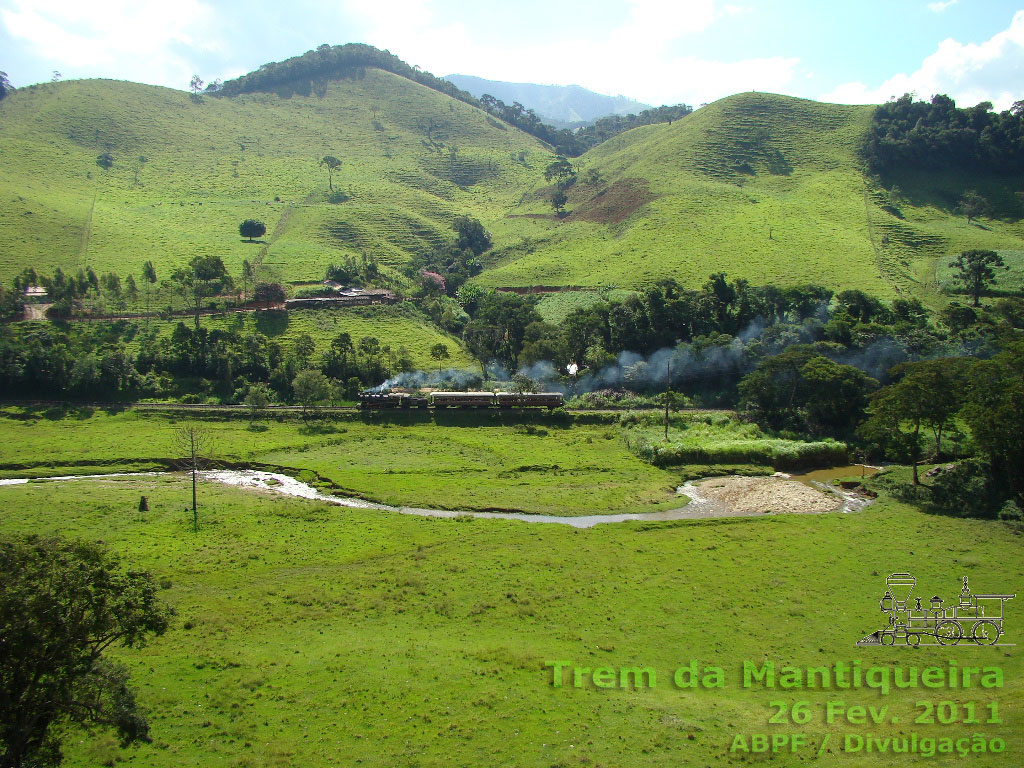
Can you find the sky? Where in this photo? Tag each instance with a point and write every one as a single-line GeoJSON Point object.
{"type": "Point", "coordinates": [655, 51]}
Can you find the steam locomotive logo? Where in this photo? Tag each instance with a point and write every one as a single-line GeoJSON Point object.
{"type": "Point", "coordinates": [974, 619]}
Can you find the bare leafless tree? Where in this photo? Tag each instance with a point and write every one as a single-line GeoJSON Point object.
{"type": "Point", "coordinates": [193, 444]}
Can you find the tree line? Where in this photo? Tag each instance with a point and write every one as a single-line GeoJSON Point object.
{"type": "Point", "coordinates": [909, 134]}
{"type": "Point", "coordinates": [81, 362]}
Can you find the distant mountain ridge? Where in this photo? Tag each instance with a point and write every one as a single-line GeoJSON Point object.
{"type": "Point", "coordinates": [561, 105]}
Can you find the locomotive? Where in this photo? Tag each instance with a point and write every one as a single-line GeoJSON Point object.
{"type": "Point", "coordinates": [974, 618]}
{"type": "Point", "coordinates": [378, 401]}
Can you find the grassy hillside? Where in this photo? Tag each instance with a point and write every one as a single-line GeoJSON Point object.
{"type": "Point", "coordinates": [210, 164]}
{"type": "Point", "coordinates": [761, 186]}
{"type": "Point", "coordinates": [765, 187]}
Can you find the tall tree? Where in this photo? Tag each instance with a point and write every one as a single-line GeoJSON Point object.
{"type": "Point", "coordinates": [149, 279]}
{"type": "Point", "coordinates": [194, 445]}
{"type": "Point", "coordinates": [972, 205]}
{"type": "Point", "coordinates": [203, 277]}
{"type": "Point", "coordinates": [62, 605]}
{"type": "Point", "coordinates": [248, 276]}
{"type": "Point", "coordinates": [974, 270]}
{"type": "Point", "coordinates": [440, 353]}
{"type": "Point", "coordinates": [561, 171]}
{"type": "Point", "coordinates": [332, 164]}
{"type": "Point", "coordinates": [558, 201]}
{"type": "Point", "coordinates": [928, 396]}
{"type": "Point", "coordinates": [995, 414]}
{"type": "Point", "coordinates": [311, 388]}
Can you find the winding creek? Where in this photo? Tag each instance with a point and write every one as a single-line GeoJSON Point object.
{"type": "Point", "coordinates": [700, 507]}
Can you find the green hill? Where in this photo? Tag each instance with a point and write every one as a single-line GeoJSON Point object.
{"type": "Point", "coordinates": [186, 172]}
{"type": "Point", "coordinates": [760, 186]}
{"type": "Point", "coordinates": [765, 187]}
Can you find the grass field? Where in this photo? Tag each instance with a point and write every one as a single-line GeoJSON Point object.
{"type": "Point", "coordinates": [309, 635]}
{"type": "Point", "coordinates": [522, 462]}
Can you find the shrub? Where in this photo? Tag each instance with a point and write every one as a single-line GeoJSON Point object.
{"type": "Point", "coordinates": [967, 490]}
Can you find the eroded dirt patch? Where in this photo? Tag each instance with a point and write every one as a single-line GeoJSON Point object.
{"type": "Point", "coordinates": [762, 496]}
{"type": "Point", "coordinates": [613, 204]}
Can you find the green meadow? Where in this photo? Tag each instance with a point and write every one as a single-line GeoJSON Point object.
{"type": "Point", "coordinates": [531, 463]}
{"type": "Point", "coordinates": [311, 635]}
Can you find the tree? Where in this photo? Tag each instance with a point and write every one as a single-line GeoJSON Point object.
{"type": "Point", "coordinates": [5, 86]}
{"type": "Point", "coordinates": [149, 279]}
{"type": "Point", "coordinates": [341, 348]}
{"type": "Point", "coordinates": [204, 276]}
{"type": "Point", "coordinates": [439, 352]}
{"type": "Point", "coordinates": [194, 445]}
{"type": "Point", "coordinates": [105, 161]}
{"type": "Point", "coordinates": [972, 205]}
{"type": "Point", "coordinates": [974, 271]}
{"type": "Point", "coordinates": [332, 164]}
{"type": "Point", "coordinates": [252, 228]}
{"type": "Point", "coordinates": [311, 388]}
{"type": "Point", "coordinates": [248, 276]}
{"type": "Point", "coordinates": [303, 347]}
{"type": "Point", "coordinates": [257, 399]}
{"type": "Point", "coordinates": [62, 605]}
{"type": "Point", "coordinates": [995, 416]}
{"type": "Point", "coordinates": [928, 395]}
{"type": "Point", "coordinates": [802, 390]}
{"type": "Point", "coordinates": [558, 201]}
{"type": "Point", "coordinates": [482, 340]}
{"type": "Point", "coordinates": [560, 170]}
{"type": "Point", "coordinates": [268, 293]}
{"type": "Point", "coordinates": [523, 384]}
{"type": "Point", "coordinates": [195, 85]}
{"type": "Point", "coordinates": [131, 290]}
{"type": "Point", "coordinates": [471, 235]}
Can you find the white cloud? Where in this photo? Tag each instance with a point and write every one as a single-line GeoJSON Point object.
{"type": "Point", "coordinates": [634, 59]}
{"type": "Point", "coordinates": [735, 10]}
{"type": "Point", "coordinates": [658, 22]}
{"type": "Point", "coordinates": [941, 6]}
{"type": "Point", "coordinates": [970, 73]}
{"type": "Point", "coordinates": [141, 40]}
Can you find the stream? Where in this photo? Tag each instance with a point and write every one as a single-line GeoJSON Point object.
{"type": "Point", "coordinates": [699, 508]}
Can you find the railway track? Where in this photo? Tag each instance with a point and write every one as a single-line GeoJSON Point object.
{"type": "Point", "coordinates": [272, 409]}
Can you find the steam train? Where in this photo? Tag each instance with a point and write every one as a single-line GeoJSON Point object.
{"type": "Point", "coordinates": [974, 618]}
{"type": "Point", "coordinates": [381, 401]}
